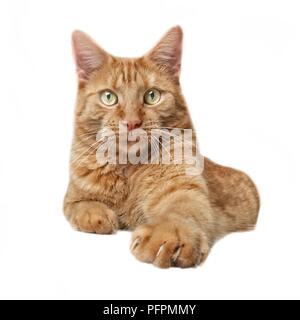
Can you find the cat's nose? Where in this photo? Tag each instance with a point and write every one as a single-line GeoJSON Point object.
{"type": "Point", "coordinates": [131, 125]}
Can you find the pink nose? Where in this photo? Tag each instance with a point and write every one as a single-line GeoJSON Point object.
{"type": "Point", "coordinates": [131, 125]}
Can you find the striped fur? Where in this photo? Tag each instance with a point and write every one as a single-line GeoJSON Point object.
{"type": "Point", "coordinates": [175, 218]}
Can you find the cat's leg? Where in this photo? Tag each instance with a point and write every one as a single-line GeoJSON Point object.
{"type": "Point", "coordinates": [180, 227]}
{"type": "Point", "coordinates": [89, 215]}
{"type": "Point", "coordinates": [167, 243]}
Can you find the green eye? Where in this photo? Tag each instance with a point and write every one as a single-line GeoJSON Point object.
{"type": "Point", "coordinates": [152, 97]}
{"type": "Point", "coordinates": [108, 98]}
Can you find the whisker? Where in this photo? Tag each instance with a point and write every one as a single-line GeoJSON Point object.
{"type": "Point", "coordinates": [94, 148]}
{"type": "Point", "coordinates": [82, 160]}
{"type": "Point", "coordinates": [176, 128]}
{"type": "Point", "coordinates": [179, 139]}
{"type": "Point", "coordinates": [91, 146]}
{"type": "Point", "coordinates": [78, 157]}
{"type": "Point", "coordinates": [159, 142]}
{"type": "Point", "coordinates": [155, 146]}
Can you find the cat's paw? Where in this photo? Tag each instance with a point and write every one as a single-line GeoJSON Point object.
{"type": "Point", "coordinates": [168, 245]}
{"type": "Point", "coordinates": [94, 217]}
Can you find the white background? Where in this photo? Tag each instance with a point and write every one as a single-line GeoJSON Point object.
{"type": "Point", "coordinates": [241, 79]}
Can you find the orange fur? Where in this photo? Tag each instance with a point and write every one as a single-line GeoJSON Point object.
{"type": "Point", "coordinates": [175, 218]}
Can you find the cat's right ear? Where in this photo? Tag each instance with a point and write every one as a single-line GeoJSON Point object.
{"type": "Point", "coordinates": [167, 53]}
{"type": "Point", "coordinates": [87, 54]}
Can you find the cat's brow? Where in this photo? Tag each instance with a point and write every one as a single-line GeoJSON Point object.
{"type": "Point", "coordinates": [126, 74]}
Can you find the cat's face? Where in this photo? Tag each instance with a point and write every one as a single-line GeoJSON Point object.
{"type": "Point", "coordinates": [130, 93]}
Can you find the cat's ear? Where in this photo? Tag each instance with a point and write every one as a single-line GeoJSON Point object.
{"type": "Point", "coordinates": [167, 53]}
{"type": "Point", "coordinates": [87, 54]}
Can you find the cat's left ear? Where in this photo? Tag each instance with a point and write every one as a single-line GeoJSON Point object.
{"type": "Point", "coordinates": [88, 55]}
{"type": "Point", "coordinates": [167, 53]}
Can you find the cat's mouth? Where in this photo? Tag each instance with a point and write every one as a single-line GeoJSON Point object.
{"type": "Point", "coordinates": [141, 146]}
{"type": "Point", "coordinates": [123, 136]}
{"type": "Point", "coordinates": [132, 138]}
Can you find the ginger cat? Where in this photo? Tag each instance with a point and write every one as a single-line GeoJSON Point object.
{"type": "Point", "coordinates": [175, 217]}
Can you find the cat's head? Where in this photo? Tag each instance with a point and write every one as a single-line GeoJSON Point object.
{"type": "Point", "coordinates": [139, 92]}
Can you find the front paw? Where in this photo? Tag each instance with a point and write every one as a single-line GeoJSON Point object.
{"type": "Point", "coordinates": [93, 217]}
{"type": "Point", "coordinates": [170, 245]}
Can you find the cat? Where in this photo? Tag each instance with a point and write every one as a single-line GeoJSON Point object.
{"type": "Point", "coordinates": [175, 217]}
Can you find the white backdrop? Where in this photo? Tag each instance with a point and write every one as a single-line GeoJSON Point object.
{"type": "Point", "coordinates": [241, 78]}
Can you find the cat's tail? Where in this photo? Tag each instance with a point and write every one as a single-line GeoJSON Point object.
{"type": "Point", "coordinates": [233, 196]}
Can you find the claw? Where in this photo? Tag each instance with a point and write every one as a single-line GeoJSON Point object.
{"type": "Point", "coordinates": [176, 254]}
{"type": "Point", "coordinates": [161, 248]}
{"type": "Point", "coordinates": [135, 243]}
